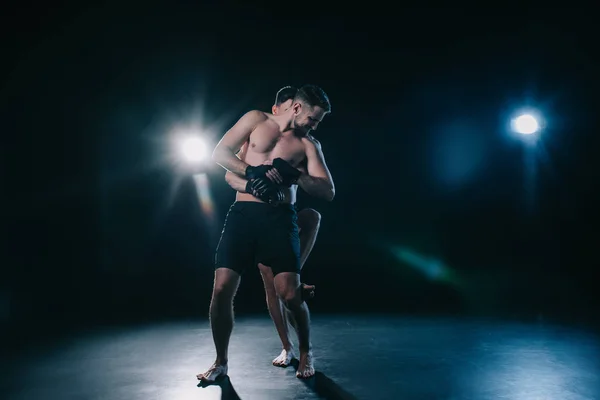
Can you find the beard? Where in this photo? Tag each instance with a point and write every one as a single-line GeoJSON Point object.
{"type": "Point", "coordinates": [301, 130]}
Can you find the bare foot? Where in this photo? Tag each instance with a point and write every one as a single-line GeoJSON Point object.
{"type": "Point", "coordinates": [285, 358]}
{"type": "Point", "coordinates": [308, 291]}
{"type": "Point", "coordinates": [213, 373]}
{"type": "Point", "coordinates": [306, 368]}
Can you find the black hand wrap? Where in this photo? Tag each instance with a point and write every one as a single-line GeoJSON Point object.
{"type": "Point", "coordinates": [265, 190]}
{"type": "Point", "coordinates": [290, 174]}
{"type": "Point", "coordinates": [276, 196]}
{"type": "Point", "coordinates": [257, 187]}
{"type": "Point", "coordinates": [259, 171]}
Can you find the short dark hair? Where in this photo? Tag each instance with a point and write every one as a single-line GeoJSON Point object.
{"type": "Point", "coordinates": [313, 96]}
{"type": "Point", "coordinates": [284, 94]}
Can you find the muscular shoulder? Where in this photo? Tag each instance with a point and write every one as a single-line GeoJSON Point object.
{"type": "Point", "coordinates": [255, 116]}
{"type": "Point", "coordinates": [311, 143]}
{"type": "Point", "coordinates": [313, 139]}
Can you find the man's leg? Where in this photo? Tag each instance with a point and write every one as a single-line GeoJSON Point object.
{"type": "Point", "coordinates": [287, 285]}
{"type": "Point", "coordinates": [235, 251]}
{"type": "Point", "coordinates": [309, 221]}
{"type": "Point", "coordinates": [221, 320]}
{"type": "Point", "coordinates": [278, 314]}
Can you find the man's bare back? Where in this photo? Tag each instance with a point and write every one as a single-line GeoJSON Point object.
{"type": "Point", "coordinates": [267, 142]}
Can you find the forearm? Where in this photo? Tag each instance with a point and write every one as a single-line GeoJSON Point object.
{"type": "Point", "coordinates": [318, 187]}
{"type": "Point", "coordinates": [236, 182]}
{"type": "Point", "coordinates": [228, 160]}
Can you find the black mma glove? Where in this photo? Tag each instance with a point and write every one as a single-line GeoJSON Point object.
{"type": "Point", "coordinates": [265, 190]}
{"type": "Point", "coordinates": [259, 171]}
{"type": "Point", "coordinates": [257, 187]}
{"type": "Point", "coordinates": [275, 195]}
{"type": "Point", "coordinates": [290, 174]}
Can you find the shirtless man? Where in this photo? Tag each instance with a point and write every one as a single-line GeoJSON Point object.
{"type": "Point", "coordinates": [260, 228]}
{"type": "Point", "coordinates": [308, 226]}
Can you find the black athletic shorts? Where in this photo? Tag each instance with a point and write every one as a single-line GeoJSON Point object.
{"type": "Point", "coordinates": [259, 233]}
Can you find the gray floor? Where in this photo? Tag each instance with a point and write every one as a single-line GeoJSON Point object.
{"type": "Point", "coordinates": [357, 358]}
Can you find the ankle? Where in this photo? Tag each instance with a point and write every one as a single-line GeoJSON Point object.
{"type": "Point", "coordinates": [221, 362]}
{"type": "Point", "coordinates": [306, 349]}
{"type": "Point", "coordinates": [289, 347]}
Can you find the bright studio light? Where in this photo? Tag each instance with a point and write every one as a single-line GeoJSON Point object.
{"type": "Point", "coordinates": [525, 124]}
{"type": "Point", "coordinates": [194, 150]}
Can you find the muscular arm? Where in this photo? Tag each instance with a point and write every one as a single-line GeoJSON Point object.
{"type": "Point", "coordinates": [317, 180]}
{"type": "Point", "coordinates": [236, 182]}
{"type": "Point", "coordinates": [225, 152]}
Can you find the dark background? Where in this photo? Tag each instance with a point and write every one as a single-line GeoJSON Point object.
{"type": "Point", "coordinates": [101, 226]}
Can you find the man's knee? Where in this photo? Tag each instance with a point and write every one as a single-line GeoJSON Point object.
{"type": "Point", "coordinates": [223, 292]}
{"type": "Point", "coordinates": [291, 297]}
{"type": "Point", "coordinates": [287, 285]}
{"type": "Point", "coordinates": [226, 283]}
{"type": "Point", "coordinates": [309, 219]}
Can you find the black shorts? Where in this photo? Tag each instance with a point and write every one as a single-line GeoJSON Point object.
{"type": "Point", "coordinates": [259, 233]}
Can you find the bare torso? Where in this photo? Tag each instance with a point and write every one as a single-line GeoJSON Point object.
{"type": "Point", "coordinates": [266, 143]}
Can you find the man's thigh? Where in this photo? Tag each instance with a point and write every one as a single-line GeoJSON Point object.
{"type": "Point", "coordinates": [279, 244]}
{"type": "Point", "coordinates": [237, 246]}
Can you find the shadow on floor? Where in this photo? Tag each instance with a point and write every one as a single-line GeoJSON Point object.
{"type": "Point", "coordinates": [325, 387]}
{"type": "Point", "coordinates": [227, 390]}
{"type": "Point", "coordinates": [322, 385]}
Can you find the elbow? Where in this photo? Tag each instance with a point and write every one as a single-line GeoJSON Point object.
{"type": "Point", "coordinates": [330, 194]}
{"type": "Point", "coordinates": [216, 155]}
{"type": "Point", "coordinates": [219, 155]}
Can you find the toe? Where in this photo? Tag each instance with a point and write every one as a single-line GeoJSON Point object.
{"type": "Point", "coordinates": [304, 375]}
